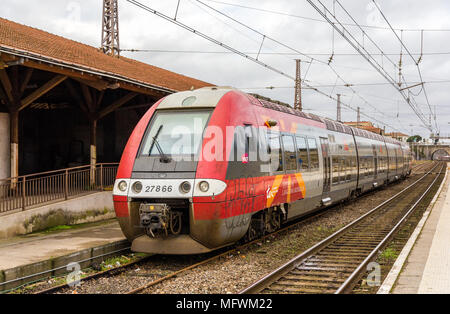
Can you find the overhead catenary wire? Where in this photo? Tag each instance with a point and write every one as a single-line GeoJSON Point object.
{"type": "Point", "coordinates": [198, 33]}
{"type": "Point", "coordinates": [322, 21]}
{"type": "Point", "coordinates": [409, 53]}
{"type": "Point", "coordinates": [278, 53]}
{"type": "Point", "coordinates": [408, 99]}
{"type": "Point", "coordinates": [236, 51]}
{"type": "Point", "coordinates": [264, 36]}
{"type": "Point", "coordinates": [326, 14]}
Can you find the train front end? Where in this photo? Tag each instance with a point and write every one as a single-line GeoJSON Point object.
{"type": "Point", "coordinates": [158, 176]}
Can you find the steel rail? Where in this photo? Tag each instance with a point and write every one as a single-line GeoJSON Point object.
{"type": "Point", "coordinates": [119, 269]}
{"type": "Point", "coordinates": [282, 270]}
{"type": "Point", "coordinates": [59, 268]}
{"type": "Point", "coordinates": [123, 268]}
{"type": "Point", "coordinates": [348, 284]}
{"type": "Point", "coordinates": [174, 274]}
{"type": "Point", "coordinates": [303, 220]}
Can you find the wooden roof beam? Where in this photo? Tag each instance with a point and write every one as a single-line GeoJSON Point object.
{"type": "Point", "coordinates": [7, 86]}
{"type": "Point", "coordinates": [88, 98]}
{"type": "Point", "coordinates": [4, 98]}
{"type": "Point", "coordinates": [118, 103]}
{"type": "Point", "coordinates": [26, 80]}
{"type": "Point", "coordinates": [94, 79]}
{"type": "Point", "coordinates": [58, 79]}
{"type": "Point", "coordinates": [76, 96]}
{"type": "Point", "coordinates": [99, 84]}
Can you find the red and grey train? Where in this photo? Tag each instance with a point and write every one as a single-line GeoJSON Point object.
{"type": "Point", "coordinates": [206, 168]}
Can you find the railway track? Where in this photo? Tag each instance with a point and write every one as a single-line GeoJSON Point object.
{"type": "Point", "coordinates": [337, 263]}
{"type": "Point", "coordinates": [127, 269]}
{"type": "Point", "coordinates": [121, 270]}
{"type": "Point", "coordinates": [420, 167]}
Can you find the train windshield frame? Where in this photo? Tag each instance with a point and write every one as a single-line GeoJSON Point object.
{"type": "Point", "coordinates": [175, 133]}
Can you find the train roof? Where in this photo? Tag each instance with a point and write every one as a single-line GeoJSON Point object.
{"type": "Point", "coordinates": [210, 96]}
{"type": "Point", "coordinates": [330, 124]}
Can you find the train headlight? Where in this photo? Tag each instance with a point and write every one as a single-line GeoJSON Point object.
{"type": "Point", "coordinates": [122, 186]}
{"type": "Point", "coordinates": [203, 186]}
{"type": "Point", "coordinates": [185, 187]}
{"type": "Point", "coordinates": [137, 187]}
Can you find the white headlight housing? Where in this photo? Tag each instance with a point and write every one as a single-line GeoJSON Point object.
{"type": "Point", "coordinates": [203, 186]}
{"type": "Point", "coordinates": [137, 187]}
{"type": "Point", "coordinates": [122, 186]}
{"type": "Point", "coordinates": [185, 187]}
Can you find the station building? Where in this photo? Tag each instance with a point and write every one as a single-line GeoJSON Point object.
{"type": "Point", "coordinates": [65, 104]}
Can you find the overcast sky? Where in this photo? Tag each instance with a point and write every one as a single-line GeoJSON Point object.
{"type": "Point", "coordinates": [81, 21]}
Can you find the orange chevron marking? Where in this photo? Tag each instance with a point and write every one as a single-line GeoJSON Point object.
{"type": "Point", "coordinates": [301, 184]}
{"type": "Point", "coordinates": [289, 190]}
{"type": "Point", "coordinates": [272, 191]}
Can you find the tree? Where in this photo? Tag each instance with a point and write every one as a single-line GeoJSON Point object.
{"type": "Point", "coordinates": [414, 139]}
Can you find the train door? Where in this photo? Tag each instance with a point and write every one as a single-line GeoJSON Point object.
{"type": "Point", "coordinates": [326, 164]}
{"type": "Point", "coordinates": [375, 161]}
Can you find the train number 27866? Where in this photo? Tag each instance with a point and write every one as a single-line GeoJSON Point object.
{"type": "Point", "coordinates": [158, 188]}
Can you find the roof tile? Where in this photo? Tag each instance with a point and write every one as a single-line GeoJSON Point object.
{"type": "Point", "coordinates": [35, 41]}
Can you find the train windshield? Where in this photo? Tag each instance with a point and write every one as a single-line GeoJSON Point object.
{"type": "Point", "coordinates": [175, 133]}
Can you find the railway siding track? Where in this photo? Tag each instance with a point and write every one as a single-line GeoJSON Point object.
{"type": "Point", "coordinates": [335, 264]}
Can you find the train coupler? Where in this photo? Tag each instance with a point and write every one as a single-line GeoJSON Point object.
{"type": "Point", "coordinates": [159, 220]}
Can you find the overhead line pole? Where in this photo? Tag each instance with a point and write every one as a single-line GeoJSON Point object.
{"type": "Point", "coordinates": [298, 86]}
{"type": "Point", "coordinates": [338, 110]}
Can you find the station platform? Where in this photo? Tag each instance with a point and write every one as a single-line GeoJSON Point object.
{"type": "Point", "coordinates": [42, 254]}
{"type": "Point", "coordinates": [423, 266]}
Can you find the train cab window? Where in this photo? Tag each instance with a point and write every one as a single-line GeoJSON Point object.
{"type": "Point", "coordinates": [175, 133]}
{"type": "Point", "coordinates": [313, 153]}
{"type": "Point", "coordinates": [274, 150]}
{"type": "Point", "coordinates": [302, 153]}
{"type": "Point", "coordinates": [290, 158]}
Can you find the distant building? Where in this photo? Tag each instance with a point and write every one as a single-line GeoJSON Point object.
{"type": "Point", "coordinates": [398, 136]}
{"type": "Point", "coordinates": [366, 125]}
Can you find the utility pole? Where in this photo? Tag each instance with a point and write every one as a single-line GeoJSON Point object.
{"type": "Point", "coordinates": [298, 87]}
{"type": "Point", "coordinates": [338, 112]}
{"type": "Point", "coordinates": [110, 28]}
{"type": "Point", "coordinates": [358, 118]}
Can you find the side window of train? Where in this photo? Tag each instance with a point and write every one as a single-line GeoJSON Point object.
{"type": "Point", "coordinates": [344, 168]}
{"type": "Point", "coordinates": [274, 150]}
{"type": "Point", "coordinates": [290, 159]}
{"type": "Point", "coordinates": [302, 153]}
{"type": "Point", "coordinates": [349, 168]}
{"type": "Point", "coordinates": [313, 154]}
{"type": "Point", "coordinates": [335, 166]}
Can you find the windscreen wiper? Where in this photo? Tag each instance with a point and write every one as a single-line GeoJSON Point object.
{"type": "Point", "coordinates": [164, 158]}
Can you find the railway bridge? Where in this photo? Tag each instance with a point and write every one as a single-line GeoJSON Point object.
{"type": "Point", "coordinates": [430, 151]}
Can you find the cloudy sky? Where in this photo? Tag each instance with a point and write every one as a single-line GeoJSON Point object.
{"type": "Point", "coordinates": [299, 28]}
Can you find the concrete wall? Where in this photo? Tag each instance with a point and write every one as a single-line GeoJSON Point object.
{"type": "Point", "coordinates": [90, 208]}
{"type": "Point", "coordinates": [5, 168]}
